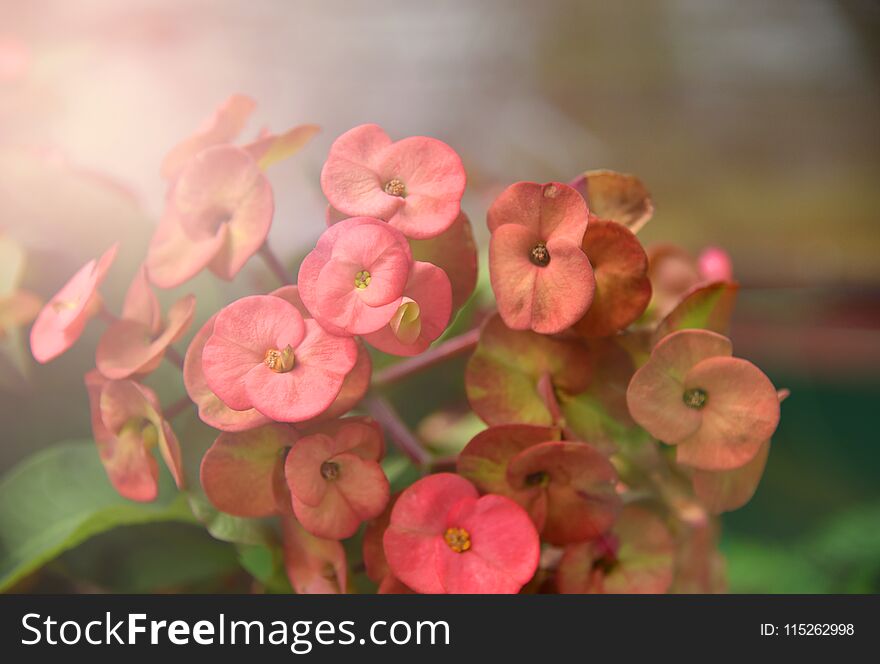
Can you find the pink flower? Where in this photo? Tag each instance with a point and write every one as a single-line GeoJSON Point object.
{"type": "Point", "coordinates": [715, 265]}
{"type": "Point", "coordinates": [127, 424]}
{"type": "Point", "coordinates": [335, 479]}
{"type": "Point", "coordinates": [422, 315]}
{"type": "Point", "coordinates": [716, 409]}
{"type": "Point", "coordinates": [136, 343]}
{"type": "Point", "coordinates": [444, 538]}
{"type": "Point", "coordinates": [541, 277]}
{"type": "Point", "coordinates": [353, 280]}
{"type": "Point", "coordinates": [414, 184]}
{"type": "Point", "coordinates": [62, 320]}
{"type": "Point", "coordinates": [217, 414]}
{"type": "Point", "coordinates": [263, 355]}
{"type": "Point", "coordinates": [217, 215]}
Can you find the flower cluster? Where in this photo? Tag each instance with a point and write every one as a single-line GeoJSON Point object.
{"type": "Point", "coordinates": [614, 420]}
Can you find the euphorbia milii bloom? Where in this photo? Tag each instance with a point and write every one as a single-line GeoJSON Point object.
{"type": "Point", "coordinates": [568, 488]}
{"type": "Point", "coordinates": [217, 414]}
{"type": "Point", "coordinates": [444, 538]}
{"type": "Point", "coordinates": [422, 315]}
{"type": "Point", "coordinates": [62, 320]}
{"type": "Point", "coordinates": [136, 343]}
{"type": "Point", "coordinates": [353, 281]}
{"type": "Point", "coordinates": [127, 424]}
{"type": "Point", "coordinates": [217, 215]}
{"type": "Point", "coordinates": [620, 266]}
{"type": "Point", "coordinates": [716, 409]}
{"type": "Point", "coordinates": [541, 277]}
{"type": "Point", "coordinates": [637, 556]}
{"type": "Point", "coordinates": [335, 479]}
{"type": "Point", "coordinates": [414, 184]}
{"type": "Point", "coordinates": [261, 354]}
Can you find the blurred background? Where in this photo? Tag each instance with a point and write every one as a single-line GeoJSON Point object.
{"type": "Point", "coordinates": [755, 125]}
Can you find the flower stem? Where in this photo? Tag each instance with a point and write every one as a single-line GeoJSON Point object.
{"type": "Point", "coordinates": [274, 264]}
{"type": "Point", "coordinates": [174, 356]}
{"type": "Point", "coordinates": [381, 410]}
{"type": "Point", "coordinates": [177, 408]}
{"type": "Point", "coordinates": [460, 345]}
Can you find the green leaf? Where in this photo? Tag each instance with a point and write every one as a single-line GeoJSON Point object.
{"type": "Point", "coordinates": [60, 497]}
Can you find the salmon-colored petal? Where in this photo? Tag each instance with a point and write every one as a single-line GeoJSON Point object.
{"type": "Point", "coordinates": [434, 178]}
{"type": "Point", "coordinates": [423, 316]}
{"type": "Point", "coordinates": [314, 565]}
{"type": "Point", "coordinates": [616, 196]}
{"type": "Point", "coordinates": [62, 320]}
{"type": "Point", "coordinates": [141, 304]}
{"type": "Point", "coordinates": [550, 211]}
{"type": "Point", "coordinates": [580, 487]}
{"type": "Point", "coordinates": [174, 257]}
{"type": "Point", "coordinates": [623, 289]}
{"type": "Point", "coordinates": [350, 178]}
{"type": "Point", "coordinates": [502, 538]}
{"type": "Point", "coordinates": [127, 347]}
{"type": "Point", "coordinates": [728, 490]}
{"type": "Point", "coordinates": [302, 468]}
{"type": "Point", "coordinates": [212, 411]}
{"type": "Point", "coordinates": [237, 471]}
{"type": "Point", "coordinates": [740, 414]}
{"type": "Point", "coordinates": [455, 252]}
{"type": "Point", "coordinates": [546, 299]}
{"type": "Point", "coordinates": [655, 395]}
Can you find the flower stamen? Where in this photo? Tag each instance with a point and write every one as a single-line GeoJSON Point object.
{"type": "Point", "coordinates": [279, 361]}
{"type": "Point", "coordinates": [329, 470]}
{"type": "Point", "coordinates": [539, 255]}
{"type": "Point", "coordinates": [395, 187]}
{"type": "Point", "coordinates": [695, 398]}
{"type": "Point", "coordinates": [362, 279]}
{"type": "Point", "coordinates": [539, 478]}
{"type": "Point", "coordinates": [458, 539]}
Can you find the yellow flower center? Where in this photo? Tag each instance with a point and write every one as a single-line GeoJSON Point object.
{"type": "Point", "coordinates": [395, 187]}
{"type": "Point", "coordinates": [362, 279]}
{"type": "Point", "coordinates": [458, 539]}
{"type": "Point", "coordinates": [279, 361]}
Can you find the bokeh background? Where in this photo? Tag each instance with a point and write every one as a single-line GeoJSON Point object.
{"type": "Point", "coordinates": [756, 126]}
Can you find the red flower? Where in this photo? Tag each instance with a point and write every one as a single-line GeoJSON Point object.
{"type": "Point", "coordinates": [444, 538]}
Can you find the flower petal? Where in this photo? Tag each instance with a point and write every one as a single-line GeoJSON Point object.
{"type": "Point", "coordinates": [740, 414]}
